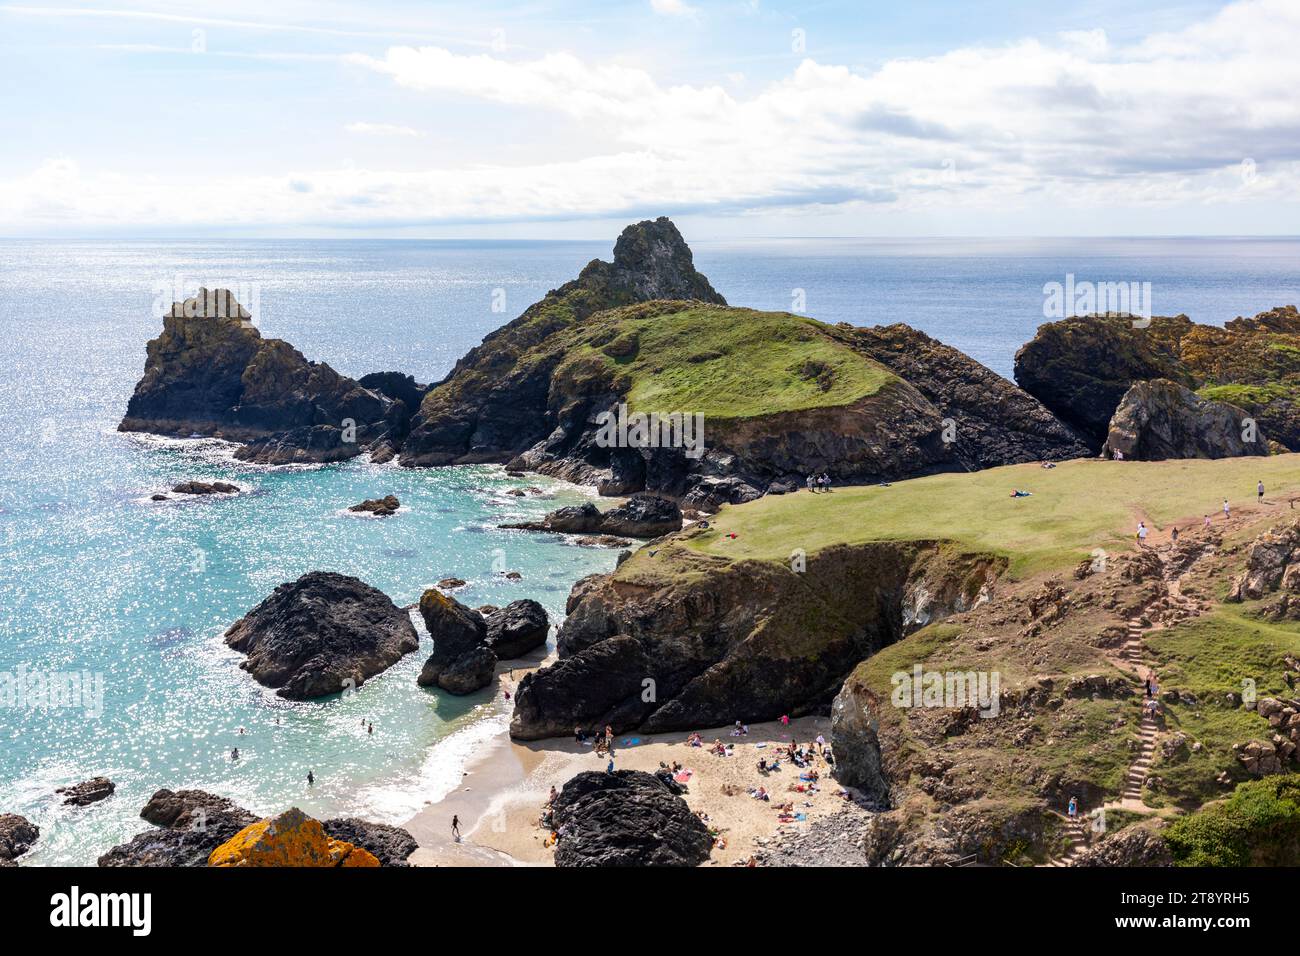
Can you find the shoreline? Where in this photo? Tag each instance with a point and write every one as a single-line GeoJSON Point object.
{"type": "Point", "coordinates": [505, 787]}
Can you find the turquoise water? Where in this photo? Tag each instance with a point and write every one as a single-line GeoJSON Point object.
{"type": "Point", "coordinates": [94, 577]}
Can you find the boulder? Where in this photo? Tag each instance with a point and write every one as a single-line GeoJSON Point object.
{"type": "Point", "coordinates": [643, 516]}
{"type": "Point", "coordinates": [322, 634]}
{"type": "Point", "coordinates": [17, 834]}
{"type": "Point", "coordinates": [1140, 844]}
{"type": "Point", "coordinates": [205, 488]}
{"type": "Point", "coordinates": [379, 507]}
{"type": "Point", "coordinates": [1269, 560]}
{"type": "Point", "coordinates": [390, 845]}
{"type": "Point", "coordinates": [88, 792]}
{"type": "Point", "coordinates": [461, 662]}
{"type": "Point", "coordinates": [194, 810]}
{"type": "Point", "coordinates": [627, 818]}
{"type": "Point", "coordinates": [190, 824]}
{"type": "Point", "coordinates": [517, 628]}
{"type": "Point", "coordinates": [290, 839]}
{"type": "Point", "coordinates": [1160, 419]}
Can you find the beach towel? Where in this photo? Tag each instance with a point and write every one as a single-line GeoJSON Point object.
{"type": "Point", "coordinates": [631, 741]}
{"type": "Point", "coordinates": [682, 776]}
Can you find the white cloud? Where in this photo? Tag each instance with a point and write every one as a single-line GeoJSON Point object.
{"type": "Point", "coordinates": [382, 129]}
{"type": "Point", "coordinates": [672, 8]}
{"type": "Point", "coordinates": [1073, 120]}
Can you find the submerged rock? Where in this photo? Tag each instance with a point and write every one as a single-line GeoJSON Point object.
{"type": "Point", "coordinates": [627, 818]}
{"type": "Point", "coordinates": [517, 628]}
{"type": "Point", "coordinates": [322, 634]}
{"type": "Point", "coordinates": [1161, 419]}
{"type": "Point", "coordinates": [290, 839]}
{"type": "Point", "coordinates": [88, 792]}
{"type": "Point", "coordinates": [461, 662]}
{"type": "Point", "coordinates": [17, 834]}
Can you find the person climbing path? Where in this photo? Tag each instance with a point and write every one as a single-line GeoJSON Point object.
{"type": "Point", "coordinates": [1142, 534]}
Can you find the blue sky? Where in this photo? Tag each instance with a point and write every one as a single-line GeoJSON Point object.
{"type": "Point", "coordinates": [738, 118]}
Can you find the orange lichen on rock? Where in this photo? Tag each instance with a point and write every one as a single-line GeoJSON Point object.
{"type": "Point", "coordinates": [290, 839]}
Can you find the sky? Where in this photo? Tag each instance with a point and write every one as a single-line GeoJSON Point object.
{"type": "Point", "coordinates": [737, 118]}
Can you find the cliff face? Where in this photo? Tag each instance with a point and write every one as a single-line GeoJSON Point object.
{"type": "Point", "coordinates": [993, 422]}
{"type": "Point", "coordinates": [680, 640]}
{"type": "Point", "coordinates": [494, 403]}
{"type": "Point", "coordinates": [1082, 367]}
{"type": "Point", "coordinates": [1158, 420]}
{"type": "Point", "coordinates": [211, 373]}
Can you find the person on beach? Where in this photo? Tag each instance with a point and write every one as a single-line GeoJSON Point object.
{"type": "Point", "coordinates": [371, 730]}
{"type": "Point", "coordinates": [1259, 490]}
{"type": "Point", "coordinates": [311, 778]}
{"type": "Point", "coordinates": [1227, 513]}
{"type": "Point", "coordinates": [554, 793]}
{"type": "Point", "coordinates": [1142, 534]}
{"type": "Point", "coordinates": [609, 767]}
{"type": "Point", "coordinates": [455, 827]}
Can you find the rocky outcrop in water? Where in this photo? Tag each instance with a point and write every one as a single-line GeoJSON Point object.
{"type": "Point", "coordinates": [707, 641]}
{"type": "Point", "coordinates": [517, 628]}
{"type": "Point", "coordinates": [211, 373]}
{"type": "Point", "coordinates": [379, 507]}
{"type": "Point", "coordinates": [642, 516]}
{"type": "Point", "coordinates": [627, 818]}
{"type": "Point", "coordinates": [290, 839]}
{"type": "Point", "coordinates": [1160, 419]}
{"type": "Point", "coordinates": [88, 792]}
{"type": "Point", "coordinates": [322, 634]}
{"type": "Point", "coordinates": [205, 488]}
{"type": "Point", "coordinates": [17, 834]}
{"type": "Point", "coordinates": [492, 407]}
{"type": "Point", "coordinates": [461, 662]}
{"type": "Point", "coordinates": [189, 825]}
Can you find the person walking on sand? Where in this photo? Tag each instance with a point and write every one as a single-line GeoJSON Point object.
{"type": "Point", "coordinates": [455, 827]}
{"type": "Point", "coordinates": [1142, 534]}
{"type": "Point", "coordinates": [609, 767]}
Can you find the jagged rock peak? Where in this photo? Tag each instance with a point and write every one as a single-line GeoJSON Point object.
{"type": "Point", "coordinates": [652, 261]}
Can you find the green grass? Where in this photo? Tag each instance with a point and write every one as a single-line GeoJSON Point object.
{"type": "Point", "coordinates": [1246, 395]}
{"type": "Point", "coordinates": [1259, 825]}
{"type": "Point", "coordinates": [1211, 656]}
{"type": "Point", "coordinates": [734, 363]}
{"type": "Point", "coordinates": [1076, 507]}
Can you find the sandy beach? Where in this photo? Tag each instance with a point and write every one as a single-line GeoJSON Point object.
{"type": "Point", "coordinates": [502, 794]}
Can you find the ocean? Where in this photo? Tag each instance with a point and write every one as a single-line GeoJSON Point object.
{"type": "Point", "coordinates": [96, 579]}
